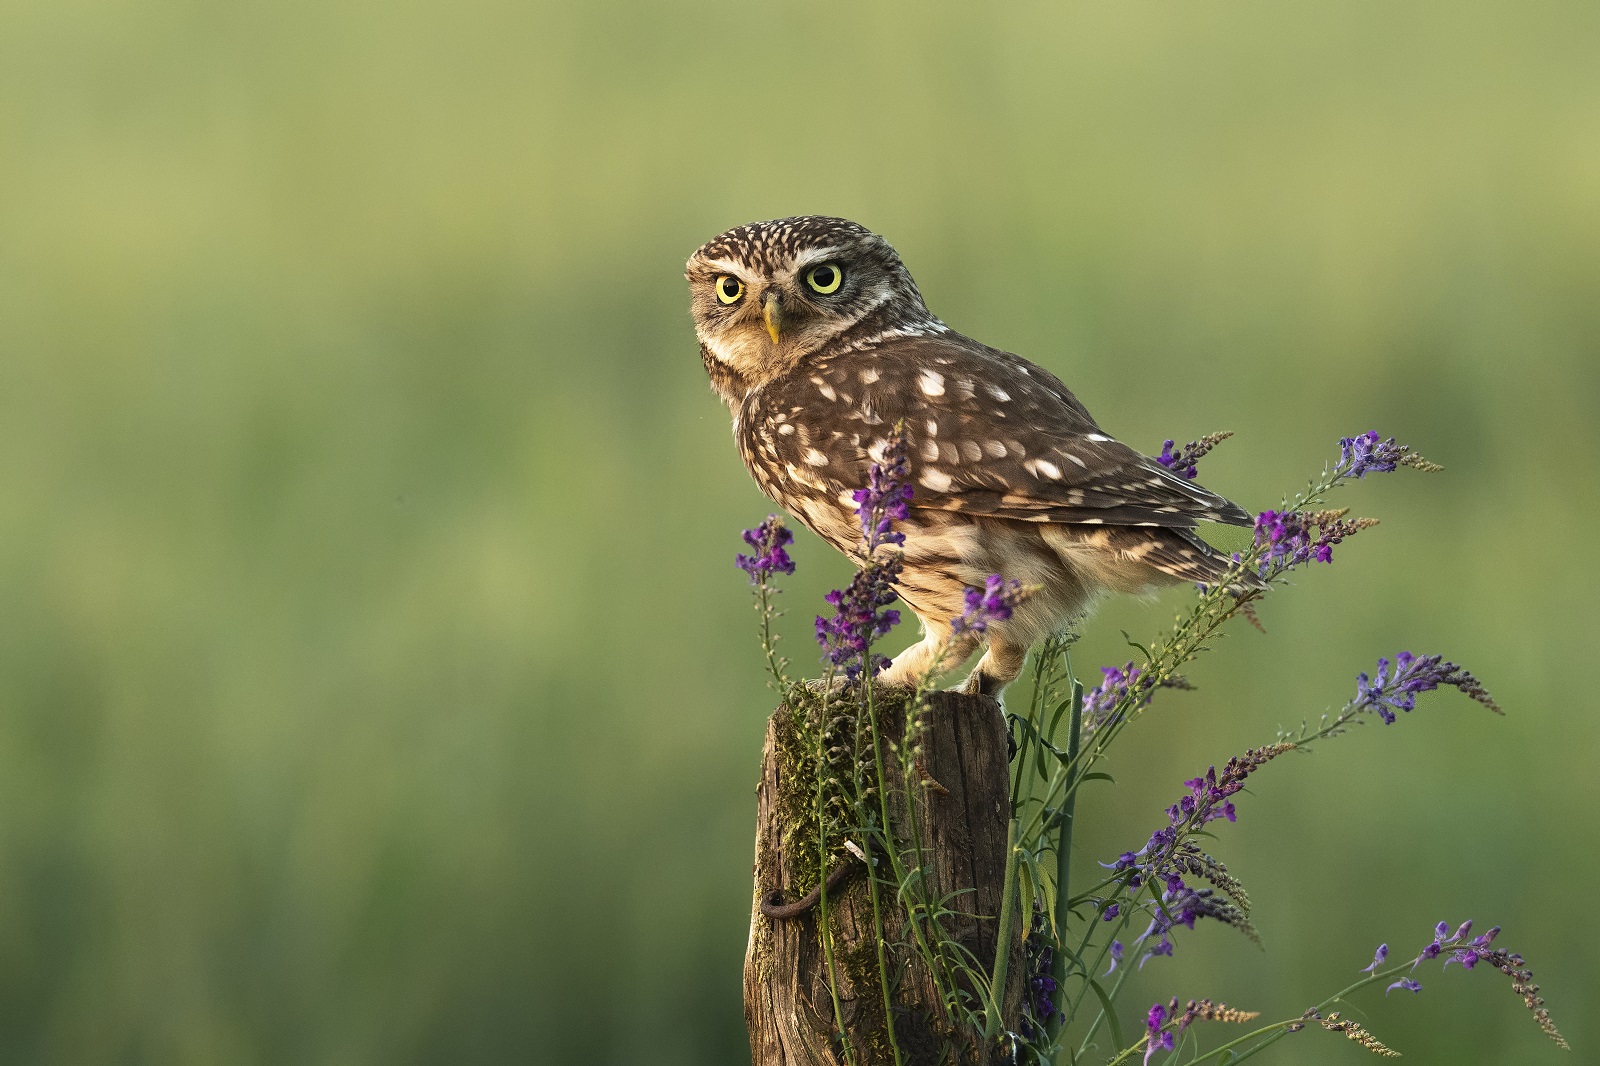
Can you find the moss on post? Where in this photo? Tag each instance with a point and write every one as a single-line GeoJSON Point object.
{"type": "Point", "coordinates": [954, 864]}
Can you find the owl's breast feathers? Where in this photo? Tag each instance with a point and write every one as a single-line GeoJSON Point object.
{"type": "Point", "coordinates": [989, 434]}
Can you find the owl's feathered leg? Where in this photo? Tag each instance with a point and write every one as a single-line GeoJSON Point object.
{"type": "Point", "coordinates": [937, 651]}
{"type": "Point", "coordinates": [1001, 664]}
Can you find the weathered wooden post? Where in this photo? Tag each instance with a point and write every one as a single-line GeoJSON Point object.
{"type": "Point", "coordinates": [953, 826]}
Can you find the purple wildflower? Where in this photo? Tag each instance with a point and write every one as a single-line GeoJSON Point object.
{"type": "Point", "coordinates": [1182, 905]}
{"type": "Point", "coordinates": [1294, 537]}
{"type": "Point", "coordinates": [1169, 853]}
{"type": "Point", "coordinates": [767, 541]}
{"type": "Point", "coordinates": [1101, 702]}
{"type": "Point", "coordinates": [861, 612]}
{"type": "Point", "coordinates": [1040, 1007]}
{"type": "Point", "coordinates": [1181, 461]}
{"type": "Point", "coordinates": [1163, 947]}
{"type": "Point", "coordinates": [886, 499]}
{"type": "Point", "coordinates": [1406, 983]}
{"type": "Point", "coordinates": [1116, 956]}
{"type": "Point", "coordinates": [1111, 912]}
{"type": "Point", "coordinates": [993, 603]}
{"type": "Point", "coordinates": [1388, 692]}
{"type": "Point", "coordinates": [1158, 1040]}
{"type": "Point", "coordinates": [1369, 454]}
{"type": "Point", "coordinates": [1377, 958]}
{"type": "Point", "coordinates": [862, 615]}
{"type": "Point", "coordinates": [1469, 953]}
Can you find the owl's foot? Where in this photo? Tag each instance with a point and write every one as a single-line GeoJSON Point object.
{"type": "Point", "coordinates": [1000, 665]}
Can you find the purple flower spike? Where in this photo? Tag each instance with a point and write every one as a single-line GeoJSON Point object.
{"type": "Point", "coordinates": [1368, 454]}
{"type": "Point", "coordinates": [1100, 703]}
{"type": "Point", "coordinates": [862, 615]}
{"type": "Point", "coordinates": [995, 602]}
{"type": "Point", "coordinates": [886, 499]}
{"type": "Point", "coordinates": [1406, 983]}
{"type": "Point", "coordinates": [1377, 959]}
{"type": "Point", "coordinates": [1158, 1040]}
{"type": "Point", "coordinates": [1394, 690]}
{"type": "Point", "coordinates": [767, 541]}
{"type": "Point", "coordinates": [1470, 953]}
{"type": "Point", "coordinates": [1116, 956]}
{"type": "Point", "coordinates": [1371, 454]}
{"type": "Point", "coordinates": [1291, 538]}
{"type": "Point", "coordinates": [1181, 461]}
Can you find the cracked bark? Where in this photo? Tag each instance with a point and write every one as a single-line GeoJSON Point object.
{"type": "Point", "coordinates": [788, 1009]}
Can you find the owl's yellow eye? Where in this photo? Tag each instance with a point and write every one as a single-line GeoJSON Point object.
{"type": "Point", "coordinates": [729, 289]}
{"type": "Point", "coordinates": [824, 278]}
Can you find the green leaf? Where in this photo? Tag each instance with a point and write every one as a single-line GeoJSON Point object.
{"type": "Point", "coordinates": [1025, 887]}
{"type": "Point", "coordinates": [1098, 775]}
{"type": "Point", "coordinates": [1111, 1011]}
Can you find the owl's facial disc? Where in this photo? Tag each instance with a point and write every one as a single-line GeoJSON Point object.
{"type": "Point", "coordinates": [767, 295]}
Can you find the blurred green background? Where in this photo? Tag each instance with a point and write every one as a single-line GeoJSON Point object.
{"type": "Point", "coordinates": [375, 682]}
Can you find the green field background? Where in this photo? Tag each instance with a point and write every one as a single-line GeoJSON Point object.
{"type": "Point", "coordinates": [375, 682]}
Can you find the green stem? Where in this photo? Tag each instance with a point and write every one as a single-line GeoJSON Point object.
{"type": "Point", "coordinates": [1058, 969]}
{"type": "Point", "coordinates": [872, 876]}
{"type": "Point", "coordinates": [1277, 1030]}
{"type": "Point", "coordinates": [823, 927]}
{"type": "Point", "coordinates": [1002, 942]}
{"type": "Point", "coordinates": [769, 641]}
{"type": "Point", "coordinates": [1116, 988]}
{"type": "Point", "coordinates": [1094, 1027]}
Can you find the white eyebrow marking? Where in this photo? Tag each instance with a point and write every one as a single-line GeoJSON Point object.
{"type": "Point", "coordinates": [937, 480]}
{"type": "Point", "coordinates": [932, 383]}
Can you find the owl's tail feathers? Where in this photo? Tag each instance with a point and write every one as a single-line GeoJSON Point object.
{"type": "Point", "coordinates": [1182, 554]}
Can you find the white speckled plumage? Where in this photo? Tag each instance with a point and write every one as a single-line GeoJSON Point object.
{"type": "Point", "coordinates": [1012, 475]}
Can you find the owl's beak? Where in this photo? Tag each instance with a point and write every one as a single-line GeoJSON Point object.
{"type": "Point", "coordinates": [772, 311]}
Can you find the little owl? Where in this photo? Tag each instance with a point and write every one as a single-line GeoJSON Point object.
{"type": "Point", "coordinates": [817, 339]}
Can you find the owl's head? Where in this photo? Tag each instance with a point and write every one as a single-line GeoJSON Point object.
{"type": "Point", "coordinates": [766, 295]}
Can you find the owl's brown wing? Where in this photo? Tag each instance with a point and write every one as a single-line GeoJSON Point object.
{"type": "Point", "coordinates": [989, 434]}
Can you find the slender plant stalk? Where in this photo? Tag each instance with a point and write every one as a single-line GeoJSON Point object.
{"type": "Point", "coordinates": [1058, 969]}
{"type": "Point", "coordinates": [872, 876]}
{"type": "Point", "coordinates": [823, 927]}
{"type": "Point", "coordinates": [1002, 944]}
{"type": "Point", "coordinates": [1275, 1031]}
